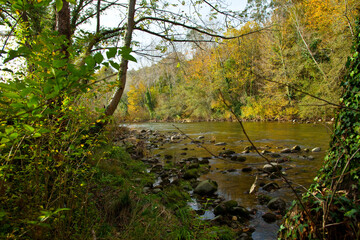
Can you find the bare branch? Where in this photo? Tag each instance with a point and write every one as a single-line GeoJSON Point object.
{"type": "Point", "coordinates": [98, 16]}
{"type": "Point", "coordinates": [167, 38]}
{"type": "Point", "coordinates": [197, 29]}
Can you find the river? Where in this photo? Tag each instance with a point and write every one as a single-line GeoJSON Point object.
{"type": "Point", "coordinates": [235, 184]}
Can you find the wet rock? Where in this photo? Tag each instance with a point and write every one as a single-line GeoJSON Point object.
{"type": "Point", "coordinates": [206, 187]}
{"type": "Point", "coordinates": [244, 236]}
{"type": "Point", "coordinates": [310, 157]}
{"type": "Point", "coordinates": [156, 190]}
{"type": "Point", "coordinates": [281, 160]}
{"type": "Point", "coordinates": [230, 204]}
{"type": "Point", "coordinates": [175, 137]}
{"type": "Point", "coordinates": [156, 168]}
{"type": "Point", "coordinates": [168, 157]}
{"type": "Point", "coordinates": [238, 158]}
{"type": "Point", "coordinates": [306, 150]}
{"type": "Point", "coordinates": [232, 170]}
{"type": "Point", "coordinates": [192, 159]}
{"type": "Point", "coordinates": [263, 199]}
{"type": "Point", "coordinates": [184, 149]}
{"type": "Point", "coordinates": [317, 149]}
{"type": "Point", "coordinates": [184, 153]}
{"type": "Point", "coordinates": [246, 151]}
{"type": "Point", "coordinates": [265, 151]}
{"type": "Point", "coordinates": [276, 175]}
{"type": "Point", "coordinates": [200, 137]}
{"type": "Point", "coordinates": [176, 182]}
{"type": "Point", "coordinates": [296, 148]}
{"type": "Point", "coordinates": [249, 148]}
{"type": "Point", "coordinates": [241, 212]}
{"type": "Point", "coordinates": [274, 167]}
{"type": "Point", "coordinates": [247, 169]}
{"type": "Point", "coordinates": [204, 161]}
{"type": "Point", "coordinates": [226, 153]}
{"type": "Point", "coordinates": [165, 182]}
{"type": "Point", "coordinates": [232, 208]}
{"type": "Point", "coordinates": [225, 207]}
{"type": "Point", "coordinates": [277, 204]}
{"type": "Point", "coordinates": [190, 174]}
{"type": "Point", "coordinates": [146, 190]}
{"type": "Point", "coordinates": [194, 165]}
{"type": "Point", "coordinates": [220, 144]}
{"type": "Point", "coordinates": [285, 150]}
{"type": "Point", "coordinates": [271, 187]}
{"type": "Point", "coordinates": [269, 217]}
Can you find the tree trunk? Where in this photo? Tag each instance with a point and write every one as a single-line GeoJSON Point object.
{"type": "Point", "coordinates": [110, 109]}
{"type": "Point", "coordinates": [63, 25]}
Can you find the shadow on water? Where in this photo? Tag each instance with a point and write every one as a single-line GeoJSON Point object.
{"type": "Point", "coordinates": [235, 184]}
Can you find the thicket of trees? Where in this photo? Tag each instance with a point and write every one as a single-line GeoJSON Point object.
{"type": "Point", "coordinates": [51, 119]}
{"type": "Point", "coordinates": [49, 176]}
{"type": "Point", "coordinates": [302, 45]}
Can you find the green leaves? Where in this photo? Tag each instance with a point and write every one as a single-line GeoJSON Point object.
{"type": "Point", "coordinates": [123, 51]}
{"type": "Point", "coordinates": [29, 128]}
{"type": "Point", "coordinates": [59, 5]}
{"type": "Point", "coordinates": [98, 57]}
{"type": "Point", "coordinates": [111, 53]}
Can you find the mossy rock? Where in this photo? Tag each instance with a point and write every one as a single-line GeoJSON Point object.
{"type": "Point", "coordinates": [206, 187]}
{"type": "Point", "coordinates": [191, 174]}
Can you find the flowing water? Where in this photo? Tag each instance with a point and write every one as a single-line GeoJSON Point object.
{"type": "Point", "coordinates": [235, 184]}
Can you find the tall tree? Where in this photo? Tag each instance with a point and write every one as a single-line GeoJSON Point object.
{"type": "Point", "coordinates": [332, 209]}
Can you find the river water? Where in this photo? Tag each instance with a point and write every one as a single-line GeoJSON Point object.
{"type": "Point", "coordinates": [235, 184]}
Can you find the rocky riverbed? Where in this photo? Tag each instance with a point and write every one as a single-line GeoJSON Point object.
{"type": "Point", "coordinates": [206, 201]}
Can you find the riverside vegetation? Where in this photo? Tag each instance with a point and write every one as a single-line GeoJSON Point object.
{"type": "Point", "coordinates": [304, 47]}
{"type": "Point", "coordinates": [62, 176]}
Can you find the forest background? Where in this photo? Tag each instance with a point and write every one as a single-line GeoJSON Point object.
{"type": "Point", "coordinates": [63, 174]}
{"type": "Point", "coordinates": [297, 45]}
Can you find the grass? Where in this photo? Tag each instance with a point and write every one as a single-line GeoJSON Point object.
{"type": "Point", "coordinates": [125, 212]}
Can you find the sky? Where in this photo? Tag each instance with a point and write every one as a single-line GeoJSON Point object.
{"type": "Point", "coordinates": [111, 19]}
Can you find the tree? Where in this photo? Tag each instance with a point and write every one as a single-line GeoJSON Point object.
{"type": "Point", "coordinates": [332, 209]}
{"type": "Point", "coordinates": [47, 136]}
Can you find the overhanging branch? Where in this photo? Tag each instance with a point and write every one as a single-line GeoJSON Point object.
{"type": "Point", "coordinates": [196, 28]}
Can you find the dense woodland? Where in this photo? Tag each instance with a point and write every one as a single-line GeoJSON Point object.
{"type": "Point", "coordinates": [302, 45]}
{"type": "Point", "coordinates": [67, 171]}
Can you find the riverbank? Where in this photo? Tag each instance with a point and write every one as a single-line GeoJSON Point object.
{"type": "Point", "coordinates": [174, 184]}
{"type": "Point", "coordinates": [295, 120]}
{"type": "Point", "coordinates": [160, 156]}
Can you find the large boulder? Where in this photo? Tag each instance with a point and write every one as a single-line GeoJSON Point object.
{"type": "Point", "coordinates": [206, 187]}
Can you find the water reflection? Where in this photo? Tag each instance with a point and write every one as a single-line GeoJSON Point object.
{"type": "Point", "coordinates": [235, 184]}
